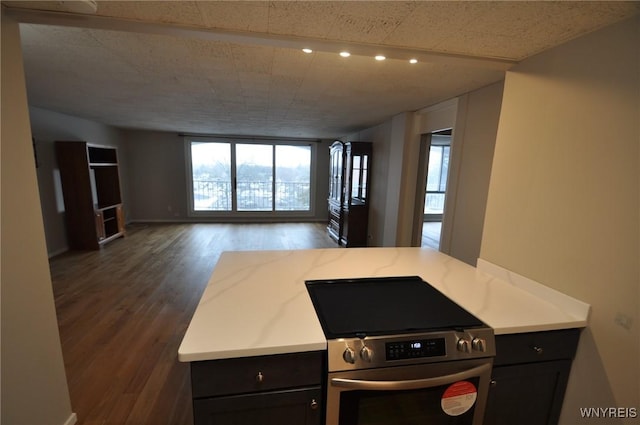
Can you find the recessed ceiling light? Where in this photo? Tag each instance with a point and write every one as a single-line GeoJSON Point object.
{"type": "Point", "coordinates": [380, 57]}
{"type": "Point", "coordinates": [413, 60]}
{"type": "Point", "coordinates": [307, 50]}
{"type": "Point", "coordinates": [345, 54]}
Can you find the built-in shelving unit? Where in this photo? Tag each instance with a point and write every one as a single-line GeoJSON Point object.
{"type": "Point", "coordinates": [91, 190]}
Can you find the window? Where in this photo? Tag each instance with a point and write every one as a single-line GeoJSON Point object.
{"type": "Point", "coordinates": [241, 177]}
{"type": "Point", "coordinates": [293, 178]}
{"type": "Point", "coordinates": [254, 177]}
{"type": "Point", "coordinates": [437, 179]}
{"type": "Point", "coordinates": [211, 176]}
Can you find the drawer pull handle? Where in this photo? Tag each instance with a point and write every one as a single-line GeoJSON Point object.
{"type": "Point", "coordinates": [493, 383]}
{"type": "Point", "coordinates": [538, 350]}
{"type": "Point", "coordinates": [259, 377]}
{"type": "Point", "coordinates": [314, 404]}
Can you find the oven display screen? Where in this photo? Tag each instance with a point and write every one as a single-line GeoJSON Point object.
{"type": "Point", "coordinates": [415, 349]}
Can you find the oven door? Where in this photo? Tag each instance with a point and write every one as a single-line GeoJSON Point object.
{"type": "Point", "coordinates": [452, 393]}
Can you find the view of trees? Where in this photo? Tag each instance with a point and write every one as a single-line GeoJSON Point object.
{"type": "Point", "coordinates": [260, 186]}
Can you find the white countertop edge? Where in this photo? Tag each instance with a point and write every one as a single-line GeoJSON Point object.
{"type": "Point", "coordinates": [251, 352]}
{"type": "Point", "coordinates": [573, 307]}
{"type": "Point", "coordinates": [507, 330]}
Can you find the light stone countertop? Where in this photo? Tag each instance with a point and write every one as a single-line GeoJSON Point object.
{"type": "Point", "coordinates": [256, 302]}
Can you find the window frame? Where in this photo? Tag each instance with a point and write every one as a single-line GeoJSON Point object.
{"type": "Point", "coordinates": [442, 175]}
{"type": "Point", "coordinates": [235, 214]}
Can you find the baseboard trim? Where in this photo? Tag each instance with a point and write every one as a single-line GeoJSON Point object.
{"type": "Point", "coordinates": [72, 420]}
{"type": "Point", "coordinates": [228, 220]}
{"type": "Point", "coordinates": [58, 252]}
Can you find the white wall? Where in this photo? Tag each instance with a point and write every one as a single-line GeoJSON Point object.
{"type": "Point", "coordinates": [396, 147]}
{"type": "Point", "coordinates": [157, 176]}
{"type": "Point", "coordinates": [474, 119]}
{"type": "Point", "coordinates": [563, 205]}
{"type": "Point", "coordinates": [472, 150]}
{"type": "Point", "coordinates": [34, 386]}
{"type": "Point", "coordinates": [441, 116]}
{"type": "Point", "coordinates": [47, 127]}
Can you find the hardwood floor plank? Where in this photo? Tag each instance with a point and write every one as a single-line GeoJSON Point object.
{"type": "Point", "coordinates": [123, 311]}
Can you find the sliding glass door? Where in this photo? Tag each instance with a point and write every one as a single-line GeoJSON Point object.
{"type": "Point", "coordinates": [254, 177]}
{"type": "Point", "coordinates": [236, 177]}
{"type": "Point", "coordinates": [292, 178]}
{"type": "Point", "coordinates": [211, 176]}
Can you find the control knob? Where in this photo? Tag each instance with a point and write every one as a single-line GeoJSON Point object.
{"type": "Point", "coordinates": [479, 344]}
{"type": "Point", "coordinates": [366, 354]}
{"type": "Point", "coordinates": [463, 345]}
{"type": "Point", "coordinates": [349, 355]}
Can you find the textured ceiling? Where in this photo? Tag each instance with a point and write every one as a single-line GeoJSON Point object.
{"type": "Point", "coordinates": [226, 67]}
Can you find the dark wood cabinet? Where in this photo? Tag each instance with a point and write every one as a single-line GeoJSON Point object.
{"type": "Point", "coordinates": [283, 389]}
{"type": "Point", "coordinates": [336, 190]}
{"type": "Point", "coordinates": [349, 186]}
{"type": "Point", "coordinates": [530, 376]}
{"type": "Point", "coordinates": [289, 407]}
{"type": "Point", "coordinates": [91, 190]}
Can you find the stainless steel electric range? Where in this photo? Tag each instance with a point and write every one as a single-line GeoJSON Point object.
{"type": "Point", "coordinates": [401, 352]}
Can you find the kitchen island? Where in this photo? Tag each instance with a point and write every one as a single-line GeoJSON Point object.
{"type": "Point", "coordinates": [256, 302]}
{"type": "Point", "coordinates": [256, 306]}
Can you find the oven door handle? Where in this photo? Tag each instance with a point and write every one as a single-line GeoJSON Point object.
{"type": "Point", "coordinates": [411, 384]}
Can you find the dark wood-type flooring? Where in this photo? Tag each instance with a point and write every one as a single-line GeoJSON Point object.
{"type": "Point", "coordinates": [123, 311]}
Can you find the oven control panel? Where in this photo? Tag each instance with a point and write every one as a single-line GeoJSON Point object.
{"type": "Point", "coordinates": [379, 351]}
{"type": "Point", "coordinates": [415, 349]}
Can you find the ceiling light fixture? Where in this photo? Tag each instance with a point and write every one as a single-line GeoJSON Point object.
{"type": "Point", "coordinates": [345, 54]}
{"type": "Point", "coordinates": [413, 60]}
{"type": "Point", "coordinates": [307, 50]}
{"type": "Point", "coordinates": [380, 57]}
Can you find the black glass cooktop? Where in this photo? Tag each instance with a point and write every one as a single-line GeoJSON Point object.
{"type": "Point", "coordinates": [384, 306]}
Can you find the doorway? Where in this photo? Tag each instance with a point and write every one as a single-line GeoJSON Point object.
{"type": "Point", "coordinates": [434, 157]}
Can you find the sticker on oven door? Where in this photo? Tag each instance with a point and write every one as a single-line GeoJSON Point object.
{"type": "Point", "coordinates": [458, 398]}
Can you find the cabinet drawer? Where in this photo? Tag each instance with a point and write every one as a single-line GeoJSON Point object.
{"type": "Point", "coordinates": [334, 210]}
{"type": "Point", "coordinates": [289, 407]}
{"type": "Point", "coordinates": [252, 374]}
{"type": "Point", "coordinates": [536, 346]}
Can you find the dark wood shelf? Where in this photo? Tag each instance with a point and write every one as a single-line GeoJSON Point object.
{"type": "Point", "coordinates": [91, 189]}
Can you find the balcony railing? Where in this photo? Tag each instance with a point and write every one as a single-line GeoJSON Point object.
{"type": "Point", "coordinates": [214, 195]}
{"type": "Point", "coordinates": [434, 203]}
{"type": "Point", "coordinates": [211, 195]}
